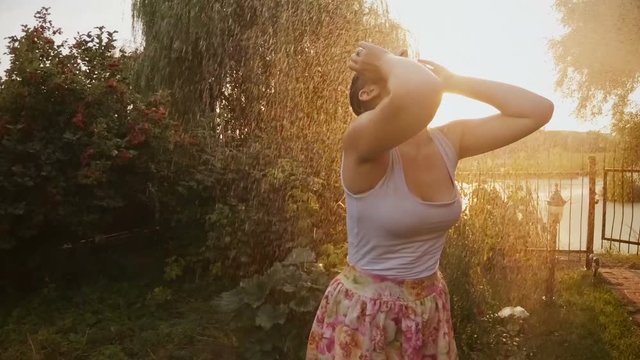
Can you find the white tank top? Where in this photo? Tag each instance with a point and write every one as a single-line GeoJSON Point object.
{"type": "Point", "coordinates": [393, 233]}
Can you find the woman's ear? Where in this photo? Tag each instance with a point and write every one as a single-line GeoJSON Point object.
{"type": "Point", "coordinates": [368, 92]}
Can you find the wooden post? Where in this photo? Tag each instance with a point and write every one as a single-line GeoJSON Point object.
{"type": "Point", "coordinates": [592, 210]}
{"type": "Point", "coordinates": [552, 245]}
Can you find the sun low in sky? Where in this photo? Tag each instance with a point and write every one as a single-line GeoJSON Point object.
{"type": "Point", "coordinates": [503, 40]}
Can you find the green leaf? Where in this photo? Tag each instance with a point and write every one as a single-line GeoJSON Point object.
{"type": "Point", "coordinates": [230, 301]}
{"type": "Point", "coordinates": [299, 256]}
{"type": "Point", "coordinates": [303, 302]}
{"type": "Point", "coordinates": [269, 315]}
{"type": "Point", "coordinates": [256, 290]}
{"type": "Point", "coordinates": [278, 273]}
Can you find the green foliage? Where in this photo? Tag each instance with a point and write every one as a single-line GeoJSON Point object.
{"type": "Point", "coordinates": [597, 69]}
{"type": "Point", "coordinates": [275, 309]}
{"type": "Point", "coordinates": [239, 59]}
{"type": "Point", "coordinates": [627, 129]}
{"type": "Point", "coordinates": [614, 258]}
{"type": "Point", "coordinates": [604, 69]}
{"type": "Point", "coordinates": [265, 84]}
{"type": "Point", "coordinates": [589, 323]}
{"type": "Point", "coordinates": [81, 153]}
{"type": "Point", "coordinates": [108, 320]}
{"type": "Point", "coordinates": [244, 192]}
{"type": "Point", "coordinates": [485, 262]}
{"type": "Point", "coordinates": [623, 187]}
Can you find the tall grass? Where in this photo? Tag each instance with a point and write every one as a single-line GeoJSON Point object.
{"type": "Point", "coordinates": [486, 263]}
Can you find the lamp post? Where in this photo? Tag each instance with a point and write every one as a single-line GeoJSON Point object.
{"type": "Point", "coordinates": [555, 206]}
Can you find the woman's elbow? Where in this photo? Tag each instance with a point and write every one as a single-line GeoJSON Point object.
{"type": "Point", "coordinates": [420, 97]}
{"type": "Point", "coordinates": [544, 111]}
{"type": "Point", "coordinates": [428, 96]}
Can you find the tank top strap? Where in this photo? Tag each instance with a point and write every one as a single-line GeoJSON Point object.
{"type": "Point", "coordinates": [447, 150]}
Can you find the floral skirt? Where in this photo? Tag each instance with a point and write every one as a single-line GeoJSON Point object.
{"type": "Point", "coordinates": [369, 317]}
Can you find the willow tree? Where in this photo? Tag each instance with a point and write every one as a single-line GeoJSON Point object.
{"type": "Point", "coordinates": [266, 81]}
{"type": "Point", "coordinates": [598, 61]}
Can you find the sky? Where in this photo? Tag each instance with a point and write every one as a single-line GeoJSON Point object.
{"type": "Point", "coordinates": [503, 40]}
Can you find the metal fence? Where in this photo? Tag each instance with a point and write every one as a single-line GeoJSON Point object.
{"type": "Point", "coordinates": [607, 200]}
{"type": "Point", "coordinates": [576, 226]}
{"type": "Point", "coordinates": [621, 210]}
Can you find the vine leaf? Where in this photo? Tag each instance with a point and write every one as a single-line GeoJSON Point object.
{"type": "Point", "coordinates": [229, 302]}
{"type": "Point", "coordinates": [303, 303]}
{"type": "Point", "coordinates": [269, 315]}
{"type": "Point", "coordinates": [256, 290]}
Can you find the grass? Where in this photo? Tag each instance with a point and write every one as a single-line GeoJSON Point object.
{"type": "Point", "coordinates": [589, 322]}
{"type": "Point", "coordinates": [613, 259]}
{"type": "Point", "coordinates": [122, 321]}
{"type": "Point", "coordinates": [111, 321]}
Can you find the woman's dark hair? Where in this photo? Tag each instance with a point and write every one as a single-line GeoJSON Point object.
{"type": "Point", "coordinates": [357, 83]}
{"type": "Point", "coordinates": [357, 106]}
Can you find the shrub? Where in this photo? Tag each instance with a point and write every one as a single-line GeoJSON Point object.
{"type": "Point", "coordinates": [485, 262]}
{"type": "Point", "coordinates": [270, 314]}
{"type": "Point", "coordinates": [81, 154]}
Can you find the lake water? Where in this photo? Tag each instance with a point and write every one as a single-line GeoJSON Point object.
{"type": "Point", "coordinates": [623, 219]}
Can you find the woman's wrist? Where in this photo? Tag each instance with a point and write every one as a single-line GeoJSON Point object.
{"type": "Point", "coordinates": [448, 80]}
{"type": "Point", "coordinates": [452, 83]}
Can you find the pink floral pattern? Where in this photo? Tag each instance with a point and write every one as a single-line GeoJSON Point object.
{"type": "Point", "coordinates": [371, 317]}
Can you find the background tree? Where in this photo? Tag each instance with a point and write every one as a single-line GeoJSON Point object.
{"type": "Point", "coordinates": [266, 82]}
{"type": "Point", "coordinates": [598, 60]}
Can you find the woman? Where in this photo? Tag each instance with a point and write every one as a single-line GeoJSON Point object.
{"type": "Point", "coordinates": [391, 302]}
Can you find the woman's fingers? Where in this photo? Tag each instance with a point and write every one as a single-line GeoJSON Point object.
{"type": "Point", "coordinates": [431, 65]}
{"type": "Point", "coordinates": [355, 57]}
{"type": "Point", "coordinates": [354, 62]}
{"type": "Point", "coordinates": [427, 62]}
{"type": "Point", "coordinates": [372, 48]}
{"type": "Point", "coordinates": [365, 45]}
{"type": "Point", "coordinates": [366, 59]}
{"type": "Point", "coordinates": [434, 66]}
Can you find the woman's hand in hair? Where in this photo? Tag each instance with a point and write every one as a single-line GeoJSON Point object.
{"type": "Point", "coordinates": [369, 60]}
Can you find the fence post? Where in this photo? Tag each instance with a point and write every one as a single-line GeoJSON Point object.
{"type": "Point", "coordinates": [592, 210]}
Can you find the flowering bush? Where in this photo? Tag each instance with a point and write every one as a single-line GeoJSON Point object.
{"type": "Point", "coordinates": [81, 154]}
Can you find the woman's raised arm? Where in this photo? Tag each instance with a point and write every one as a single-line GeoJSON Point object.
{"type": "Point", "coordinates": [410, 96]}
{"type": "Point", "coordinates": [521, 112]}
